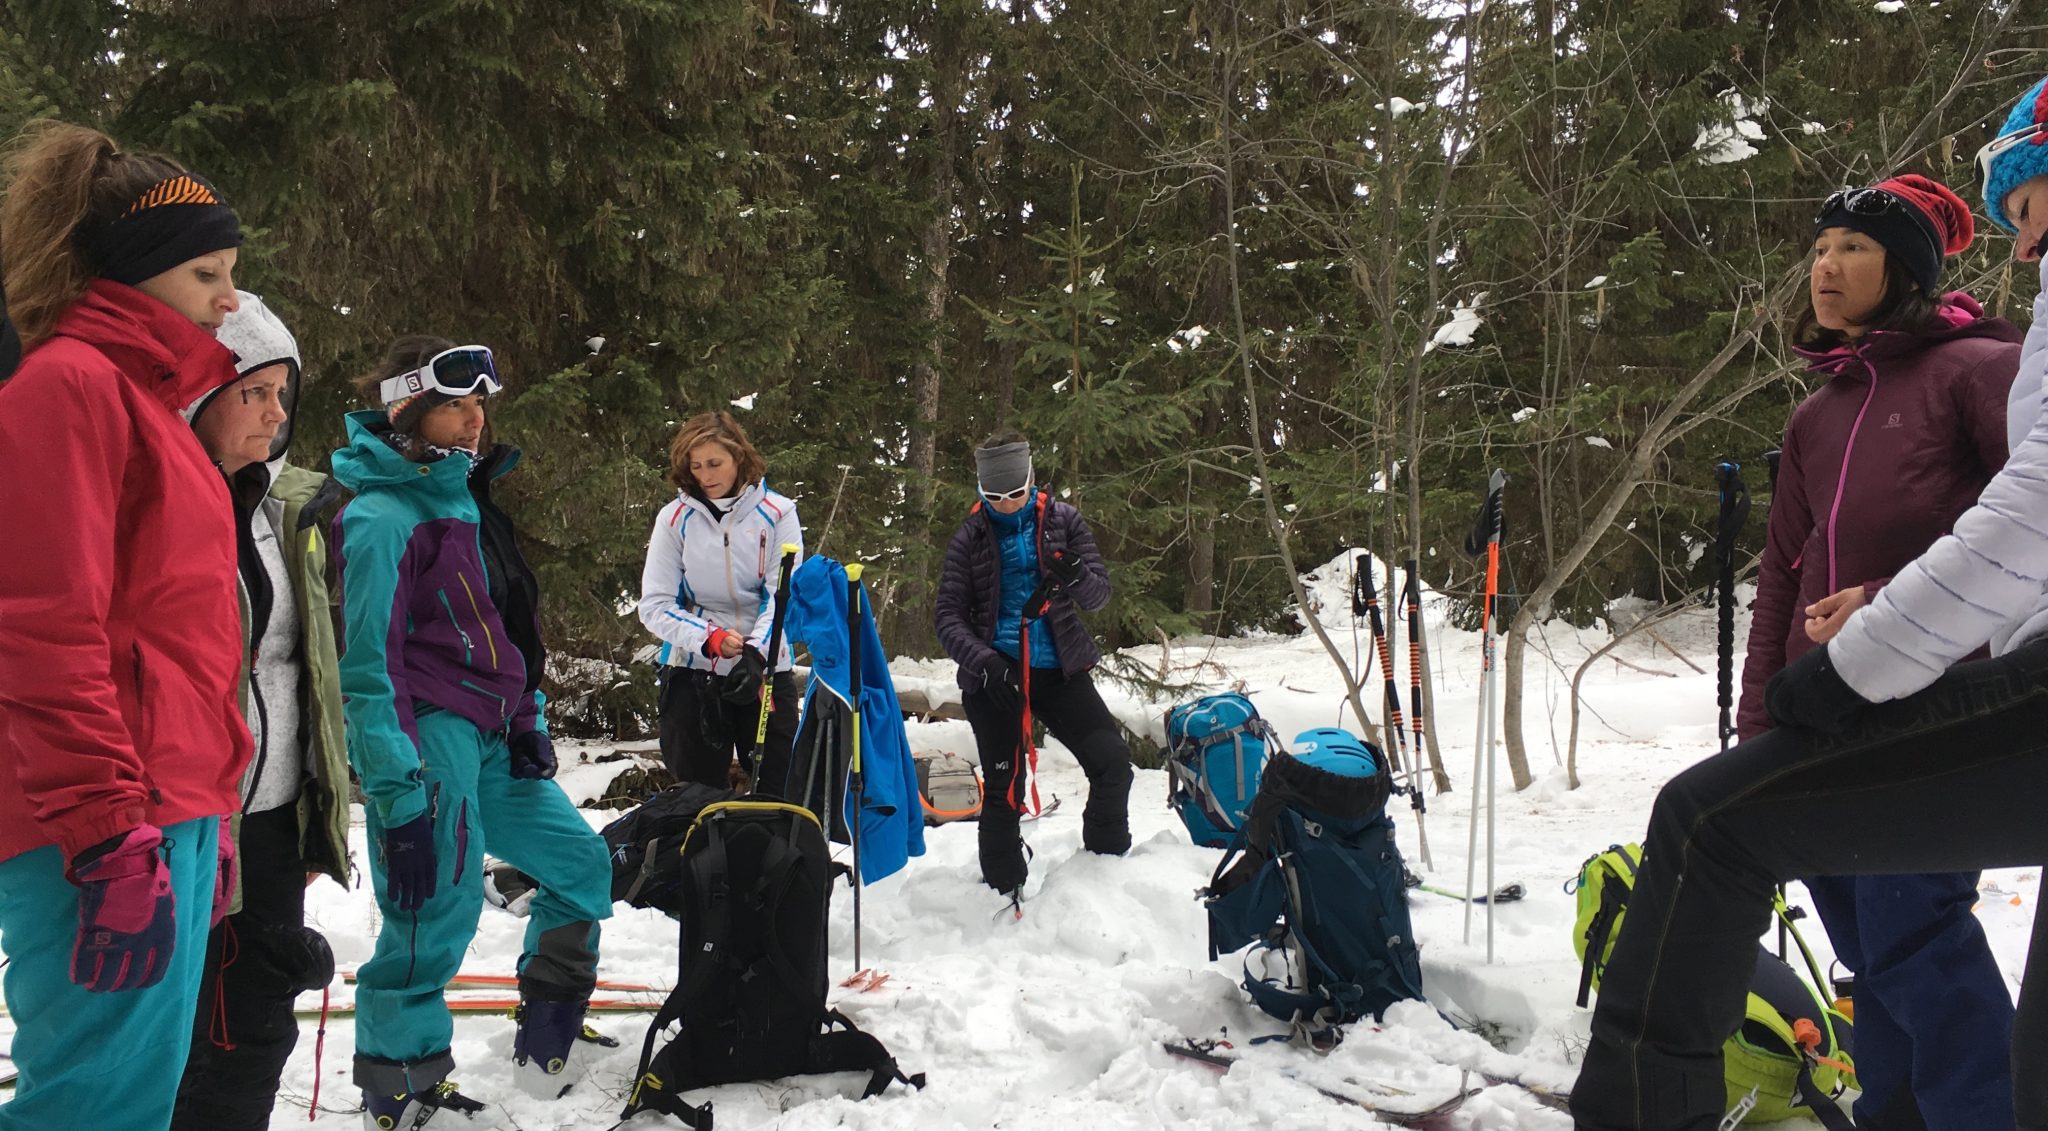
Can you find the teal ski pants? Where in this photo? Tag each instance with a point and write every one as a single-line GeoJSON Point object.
{"type": "Point", "coordinates": [108, 1061]}
{"type": "Point", "coordinates": [401, 1007]}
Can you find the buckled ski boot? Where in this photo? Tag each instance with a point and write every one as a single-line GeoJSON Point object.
{"type": "Point", "coordinates": [548, 1032]}
{"type": "Point", "coordinates": [439, 1107]}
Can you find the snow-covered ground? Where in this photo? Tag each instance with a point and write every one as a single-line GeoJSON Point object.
{"type": "Point", "coordinates": [1055, 1022]}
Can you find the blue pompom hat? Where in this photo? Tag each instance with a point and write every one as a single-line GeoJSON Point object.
{"type": "Point", "coordinates": [2021, 163]}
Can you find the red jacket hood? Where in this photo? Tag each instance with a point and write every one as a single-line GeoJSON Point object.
{"type": "Point", "coordinates": [1960, 316]}
{"type": "Point", "coordinates": [167, 353]}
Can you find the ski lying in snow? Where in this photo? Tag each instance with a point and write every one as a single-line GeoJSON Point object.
{"type": "Point", "coordinates": [508, 981]}
{"type": "Point", "coordinates": [504, 1005]}
{"type": "Point", "coordinates": [865, 981]}
{"type": "Point", "coordinates": [1506, 893]}
{"type": "Point", "coordinates": [1556, 1101]}
{"type": "Point", "coordinates": [1210, 1058]}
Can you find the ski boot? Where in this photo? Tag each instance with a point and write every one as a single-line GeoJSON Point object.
{"type": "Point", "coordinates": [548, 1032]}
{"type": "Point", "coordinates": [439, 1107]}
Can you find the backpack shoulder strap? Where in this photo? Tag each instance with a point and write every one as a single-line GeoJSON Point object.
{"type": "Point", "coordinates": [662, 1077]}
{"type": "Point", "coordinates": [850, 1050]}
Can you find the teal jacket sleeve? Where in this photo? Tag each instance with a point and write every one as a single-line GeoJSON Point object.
{"type": "Point", "coordinates": [373, 552]}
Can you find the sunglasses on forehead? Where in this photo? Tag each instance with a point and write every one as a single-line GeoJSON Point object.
{"type": "Point", "coordinates": [1857, 202]}
{"type": "Point", "coordinates": [456, 372]}
{"type": "Point", "coordinates": [1998, 145]}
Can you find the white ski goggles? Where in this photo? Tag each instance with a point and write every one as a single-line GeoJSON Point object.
{"type": "Point", "coordinates": [454, 372]}
{"type": "Point", "coordinates": [1998, 145]}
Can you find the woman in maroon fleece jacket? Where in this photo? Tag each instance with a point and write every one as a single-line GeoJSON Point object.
{"type": "Point", "coordinates": [1878, 463]}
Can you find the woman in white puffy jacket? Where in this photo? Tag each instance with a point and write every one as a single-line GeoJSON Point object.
{"type": "Point", "coordinates": [1886, 759]}
{"type": "Point", "coordinates": [708, 591]}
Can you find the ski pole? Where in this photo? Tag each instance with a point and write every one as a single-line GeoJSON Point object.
{"type": "Point", "coordinates": [1734, 512]}
{"type": "Point", "coordinates": [1485, 538]}
{"type": "Point", "coordinates": [1413, 596]}
{"type": "Point", "coordinates": [1397, 740]}
{"type": "Point", "coordinates": [1725, 562]}
{"type": "Point", "coordinates": [775, 641]}
{"type": "Point", "coordinates": [854, 631]}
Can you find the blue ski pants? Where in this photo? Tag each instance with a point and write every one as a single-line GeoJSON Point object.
{"type": "Point", "coordinates": [1933, 1016]}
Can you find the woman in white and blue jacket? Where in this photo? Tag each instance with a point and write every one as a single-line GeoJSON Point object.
{"type": "Point", "coordinates": [708, 591]}
{"type": "Point", "coordinates": [1889, 757]}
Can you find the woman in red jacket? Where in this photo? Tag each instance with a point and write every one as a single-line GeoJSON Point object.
{"type": "Point", "coordinates": [120, 635]}
{"type": "Point", "coordinates": [1905, 431]}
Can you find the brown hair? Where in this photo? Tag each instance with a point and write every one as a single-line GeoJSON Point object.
{"type": "Point", "coordinates": [404, 355]}
{"type": "Point", "coordinates": [1904, 307]}
{"type": "Point", "coordinates": [64, 183]}
{"type": "Point", "coordinates": [719, 428]}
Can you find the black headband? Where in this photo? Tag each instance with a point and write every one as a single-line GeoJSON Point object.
{"type": "Point", "coordinates": [172, 221]}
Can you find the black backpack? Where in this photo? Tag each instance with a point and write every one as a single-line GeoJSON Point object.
{"type": "Point", "coordinates": [757, 881]}
{"type": "Point", "coordinates": [646, 844]}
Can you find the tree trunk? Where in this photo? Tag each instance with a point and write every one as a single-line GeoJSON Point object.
{"type": "Point", "coordinates": [1642, 459]}
{"type": "Point", "coordinates": [935, 251]}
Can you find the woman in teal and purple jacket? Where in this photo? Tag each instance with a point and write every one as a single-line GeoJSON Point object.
{"type": "Point", "coordinates": [441, 673]}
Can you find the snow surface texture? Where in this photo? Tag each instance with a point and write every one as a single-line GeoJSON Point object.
{"type": "Point", "coordinates": [1054, 1022]}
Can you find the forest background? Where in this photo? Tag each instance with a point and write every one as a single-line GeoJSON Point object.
{"type": "Point", "coordinates": [1262, 278]}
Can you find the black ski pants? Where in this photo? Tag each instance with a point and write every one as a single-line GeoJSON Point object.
{"type": "Point", "coordinates": [1952, 779]}
{"type": "Point", "coordinates": [701, 732]}
{"type": "Point", "coordinates": [1073, 711]}
{"type": "Point", "coordinates": [258, 961]}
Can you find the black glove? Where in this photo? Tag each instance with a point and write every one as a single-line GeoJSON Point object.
{"type": "Point", "coordinates": [998, 681]}
{"type": "Point", "coordinates": [533, 755]}
{"type": "Point", "coordinates": [409, 873]}
{"type": "Point", "coordinates": [1809, 693]}
{"type": "Point", "coordinates": [1066, 569]}
{"type": "Point", "coordinates": [741, 685]}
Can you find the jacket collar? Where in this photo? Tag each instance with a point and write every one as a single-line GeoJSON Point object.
{"type": "Point", "coordinates": [165, 352]}
{"type": "Point", "coordinates": [749, 497]}
{"type": "Point", "coordinates": [1959, 316]}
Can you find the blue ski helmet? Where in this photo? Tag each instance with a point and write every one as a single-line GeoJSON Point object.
{"type": "Point", "coordinates": [1336, 751]}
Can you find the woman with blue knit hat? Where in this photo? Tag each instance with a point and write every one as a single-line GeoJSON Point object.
{"type": "Point", "coordinates": [121, 733]}
{"type": "Point", "coordinates": [1889, 755]}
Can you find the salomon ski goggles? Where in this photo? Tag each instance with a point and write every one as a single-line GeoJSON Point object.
{"type": "Point", "coordinates": [455, 372]}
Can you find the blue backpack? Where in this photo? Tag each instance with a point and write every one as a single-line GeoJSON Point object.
{"type": "Point", "coordinates": [1314, 880]}
{"type": "Point", "coordinates": [1216, 748]}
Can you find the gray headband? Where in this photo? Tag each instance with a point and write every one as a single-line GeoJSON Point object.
{"type": "Point", "coordinates": [1003, 468]}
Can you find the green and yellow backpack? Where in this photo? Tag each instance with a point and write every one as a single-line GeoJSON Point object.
{"type": "Point", "coordinates": [1793, 1054]}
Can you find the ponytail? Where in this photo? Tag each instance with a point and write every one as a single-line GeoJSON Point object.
{"type": "Point", "coordinates": [64, 184]}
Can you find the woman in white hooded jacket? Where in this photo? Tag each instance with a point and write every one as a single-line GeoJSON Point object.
{"type": "Point", "coordinates": [293, 818]}
{"type": "Point", "coordinates": [1886, 759]}
{"type": "Point", "coordinates": [708, 591]}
